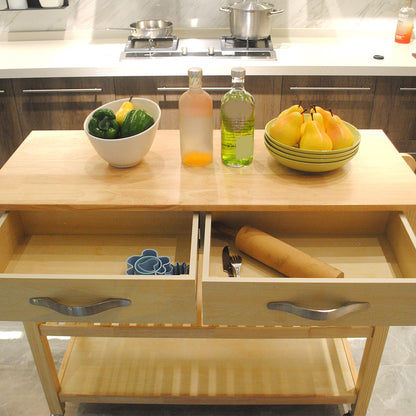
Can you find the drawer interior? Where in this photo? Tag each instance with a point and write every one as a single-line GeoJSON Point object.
{"type": "Point", "coordinates": [361, 244]}
{"type": "Point", "coordinates": [78, 258]}
{"type": "Point", "coordinates": [96, 243]}
{"type": "Point", "coordinates": [376, 251]}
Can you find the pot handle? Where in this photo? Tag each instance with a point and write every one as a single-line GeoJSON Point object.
{"type": "Point", "coordinates": [117, 28]}
{"type": "Point", "coordinates": [275, 11]}
{"type": "Point", "coordinates": [225, 9]}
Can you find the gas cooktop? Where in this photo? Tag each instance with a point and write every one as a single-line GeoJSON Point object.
{"type": "Point", "coordinates": [227, 47]}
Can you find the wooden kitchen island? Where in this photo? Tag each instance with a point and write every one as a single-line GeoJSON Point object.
{"type": "Point", "coordinates": [71, 221]}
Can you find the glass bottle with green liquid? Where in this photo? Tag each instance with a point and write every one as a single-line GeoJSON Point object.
{"type": "Point", "coordinates": [237, 123]}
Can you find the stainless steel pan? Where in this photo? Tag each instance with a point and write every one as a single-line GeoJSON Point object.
{"type": "Point", "coordinates": [149, 29]}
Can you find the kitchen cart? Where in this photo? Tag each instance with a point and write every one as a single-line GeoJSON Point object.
{"type": "Point", "coordinates": [71, 221]}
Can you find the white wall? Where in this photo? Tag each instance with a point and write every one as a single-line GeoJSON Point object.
{"type": "Point", "coordinates": [99, 14]}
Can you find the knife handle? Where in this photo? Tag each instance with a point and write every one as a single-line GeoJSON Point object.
{"type": "Point", "coordinates": [224, 229]}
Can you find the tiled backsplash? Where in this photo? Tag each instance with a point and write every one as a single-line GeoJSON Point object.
{"type": "Point", "coordinates": [100, 14]}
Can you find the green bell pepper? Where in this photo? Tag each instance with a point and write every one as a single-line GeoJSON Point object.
{"type": "Point", "coordinates": [135, 122]}
{"type": "Point", "coordinates": [103, 124]}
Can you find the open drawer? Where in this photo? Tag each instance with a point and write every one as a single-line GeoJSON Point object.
{"type": "Point", "coordinates": [375, 250]}
{"type": "Point", "coordinates": [74, 262]}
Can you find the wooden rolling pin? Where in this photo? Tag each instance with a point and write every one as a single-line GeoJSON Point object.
{"type": "Point", "coordinates": [277, 254]}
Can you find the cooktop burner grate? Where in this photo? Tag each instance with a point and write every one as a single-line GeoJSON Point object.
{"type": "Point", "coordinates": [231, 43]}
{"type": "Point", "coordinates": [226, 46]}
{"type": "Point", "coordinates": [161, 44]}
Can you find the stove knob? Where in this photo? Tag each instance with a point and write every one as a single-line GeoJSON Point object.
{"type": "Point", "coordinates": [211, 51]}
{"type": "Point", "coordinates": [184, 50]}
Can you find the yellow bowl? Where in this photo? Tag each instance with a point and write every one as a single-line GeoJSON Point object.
{"type": "Point", "coordinates": [320, 153]}
{"type": "Point", "coordinates": [296, 151]}
{"type": "Point", "coordinates": [308, 158]}
{"type": "Point", "coordinates": [310, 166]}
{"type": "Point", "coordinates": [297, 158]}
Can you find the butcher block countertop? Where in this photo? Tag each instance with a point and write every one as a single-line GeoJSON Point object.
{"type": "Point", "coordinates": [60, 170]}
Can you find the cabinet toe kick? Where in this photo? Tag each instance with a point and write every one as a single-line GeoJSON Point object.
{"type": "Point", "coordinates": [319, 314]}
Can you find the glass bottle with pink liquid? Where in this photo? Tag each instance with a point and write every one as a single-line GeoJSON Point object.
{"type": "Point", "coordinates": [196, 122]}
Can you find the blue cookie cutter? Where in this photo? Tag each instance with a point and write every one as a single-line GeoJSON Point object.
{"type": "Point", "coordinates": [149, 263]}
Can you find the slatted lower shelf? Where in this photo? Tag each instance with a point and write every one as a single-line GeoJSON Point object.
{"type": "Point", "coordinates": [208, 371]}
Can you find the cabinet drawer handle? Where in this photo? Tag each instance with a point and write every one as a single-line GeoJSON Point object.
{"type": "Point", "coordinates": [2, 91]}
{"type": "Point", "coordinates": [319, 314]}
{"type": "Point", "coordinates": [62, 90]}
{"type": "Point", "coordinates": [330, 88]}
{"type": "Point", "coordinates": [407, 88]}
{"type": "Point", "coordinates": [105, 305]}
{"type": "Point", "coordinates": [183, 89]}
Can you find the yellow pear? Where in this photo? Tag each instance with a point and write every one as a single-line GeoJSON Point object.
{"type": "Point", "coordinates": [314, 137]}
{"type": "Point", "coordinates": [286, 130]}
{"type": "Point", "coordinates": [319, 118]}
{"type": "Point", "coordinates": [302, 128]}
{"type": "Point", "coordinates": [324, 113]}
{"type": "Point", "coordinates": [297, 107]}
{"type": "Point", "coordinates": [339, 133]}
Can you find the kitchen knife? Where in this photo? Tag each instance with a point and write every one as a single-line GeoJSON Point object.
{"type": "Point", "coordinates": [226, 263]}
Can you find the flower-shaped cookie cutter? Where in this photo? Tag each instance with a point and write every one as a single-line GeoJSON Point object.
{"type": "Point", "coordinates": [149, 263]}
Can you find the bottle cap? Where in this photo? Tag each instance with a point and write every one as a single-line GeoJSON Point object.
{"type": "Point", "coordinates": [195, 77]}
{"type": "Point", "coordinates": [238, 72]}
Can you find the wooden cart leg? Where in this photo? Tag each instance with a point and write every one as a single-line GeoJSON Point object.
{"type": "Point", "coordinates": [370, 363]}
{"type": "Point", "coordinates": [42, 356]}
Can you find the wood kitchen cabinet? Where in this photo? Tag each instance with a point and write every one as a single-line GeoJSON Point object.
{"type": "Point", "coordinates": [203, 338]}
{"type": "Point", "coordinates": [59, 103]}
{"type": "Point", "coordinates": [10, 133]}
{"type": "Point", "coordinates": [167, 90]}
{"type": "Point", "coordinates": [394, 111]}
{"type": "Point", "coordinates": [349, 97]}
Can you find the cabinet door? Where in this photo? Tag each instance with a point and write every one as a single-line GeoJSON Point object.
{"type": "Point", "coordinates": [59, 103]}
{"type": "Point", "coordinates": [394, 111]}
{"type": "Point", "coordinates": [10, 134]}
{"type": "Point", "coordinates": [166, 91]}
{"type": "Point", "coordinates": [349, 97]}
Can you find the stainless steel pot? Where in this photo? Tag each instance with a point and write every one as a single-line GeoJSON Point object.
{"type": "Point", "coordinates": [149, 29]}
{"type": "Point", "coordinates": [250, 19]}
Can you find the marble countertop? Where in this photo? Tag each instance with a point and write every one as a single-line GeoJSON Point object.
{"type": "Point", "coordinates": [314, 54]}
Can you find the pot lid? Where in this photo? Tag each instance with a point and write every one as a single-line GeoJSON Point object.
{"type": "Point", "coordinates": [251, 5]}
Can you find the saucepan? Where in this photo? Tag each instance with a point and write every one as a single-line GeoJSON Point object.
{"type": "Point", "coordinates": [149, 29]}
{"type": "Point", "coordinates": [250, 20]}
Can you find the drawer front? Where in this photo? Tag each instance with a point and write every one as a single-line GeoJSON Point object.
{"type": "Point", "coordinates": [143, 300]}
{"type": "Point", "coordinates": [166, 91]}
{"type": "Point", "coordinates": [248, 303]}
{"type": "Point", "coordinates": [378, 288]}
{"type": "Point", "coordinates": [71, 266]}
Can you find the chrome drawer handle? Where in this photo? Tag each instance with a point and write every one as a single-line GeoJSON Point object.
{"type": "Point", "coordinates": [2, 91]}
{"type": "Point", "coordinates": [319, 314]}
{"type": "Point", "coordinates": [407, 88]}
{"type": "Point", "coordinates": [62, 90]}
{"type": "Point", "coordinates": [105, 305]}
{"type": "Point", "coordinates": [183, 89]}
{"type": "Point", "coordinates": [331, 88]}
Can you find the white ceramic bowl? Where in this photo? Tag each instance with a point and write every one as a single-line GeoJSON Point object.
{"type": "Point", "coordinates": [127, 151]}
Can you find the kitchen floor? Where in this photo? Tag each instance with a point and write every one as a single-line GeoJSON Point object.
{"type": "Point", "coordinates": [21, 392]}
